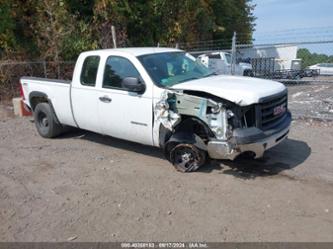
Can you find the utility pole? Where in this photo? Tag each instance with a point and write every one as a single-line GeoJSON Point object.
{"type": "Point", "coordinates": [114, 38]}
{"type": "Point", "coordinates": [233, 54]}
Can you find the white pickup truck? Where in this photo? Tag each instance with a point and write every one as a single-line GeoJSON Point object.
{"type": "Point", "coordinates": [220, 63]}
{"type": "Point", "coordinates": [162, 97]}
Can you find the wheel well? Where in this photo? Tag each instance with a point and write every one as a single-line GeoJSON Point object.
{"type": "Point", "coordinates": [196, 126]}
{"type": "Point", "coordinates": [39, 97]}
{"type": "Point", "coordinates": [190, 125]}
{"type": "Point", "coordinates": [36, 98]}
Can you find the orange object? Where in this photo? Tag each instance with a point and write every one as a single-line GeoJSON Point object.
{"type": "Point", "coordinates": [24, 111]}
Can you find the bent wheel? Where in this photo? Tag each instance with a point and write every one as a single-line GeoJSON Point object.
{"type": "Point", "coordinates": [187, 157]}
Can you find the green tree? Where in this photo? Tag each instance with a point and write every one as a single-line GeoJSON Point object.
{"type": "Point", "coordinates": [82, 9]}
{"type": "Point", "coordinates": [7, 26]}
{"type": "Point", "coordinates": [80, 39]}
{"type": "Point", "coordinates": [233, 15]}
{"type": "Point", "coordinates": [61, 29]}
{"type": "Point", "coordinates": [52, 26]}
{"type": "Point", "coordinates": [109, 13]}
{"type": "Point", "coordinates": [186, 21]}
{"type": "Point", "coordinates": [18, 38]}
{"type": "Point", "coordinates": [309, 58]}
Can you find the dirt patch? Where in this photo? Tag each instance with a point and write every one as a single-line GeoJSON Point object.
{"type": "Point", "coordinates": [6, 111]}
{"type": "Point", "coordinates": [311, 100]}
{"type": "Point", "coordinates": [96, 188]}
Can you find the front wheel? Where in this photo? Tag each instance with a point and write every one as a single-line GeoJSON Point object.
{"type": "Point", "coordinates": [45, 121]}
{"type": "Point", "coordinates": [187, 157]}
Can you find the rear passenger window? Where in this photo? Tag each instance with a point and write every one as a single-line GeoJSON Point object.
{"type": "Point", "coordinates": [214, 56]}
{"type": "Point", "coordinates": [89, 70]}
{"type": "Point", "coordinates": [116, 69]}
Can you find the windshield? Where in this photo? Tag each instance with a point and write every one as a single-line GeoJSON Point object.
{"type": "Point", "coordinates": [228, 58]}
{"type": "Point", "coordinates": [168, 69]}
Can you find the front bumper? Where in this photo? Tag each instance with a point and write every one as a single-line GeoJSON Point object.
{"type": "Point", "coordinates": [249, 140]}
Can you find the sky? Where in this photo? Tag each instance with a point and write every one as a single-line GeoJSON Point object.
{"type": "Point", "coordinates": [294, 20]}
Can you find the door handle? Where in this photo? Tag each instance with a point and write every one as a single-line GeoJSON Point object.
{"type": "Point", "coordinates": [105, 99]}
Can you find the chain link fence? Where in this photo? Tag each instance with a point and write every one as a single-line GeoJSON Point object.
{"type": "Point", "coordinates": [294, 59]}
{"type": "Point", "coordinates": [304, 65]}
{"type": "Point", "coordinates": [290, 62]}
{"type": "Point", "coordinates": [12, 71]}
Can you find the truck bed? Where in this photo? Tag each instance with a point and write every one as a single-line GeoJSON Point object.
{"type": "Point", "coordinates": [57, 92]}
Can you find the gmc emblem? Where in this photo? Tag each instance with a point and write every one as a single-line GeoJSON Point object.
{"type": "Point", "coordinates": [279, 109]}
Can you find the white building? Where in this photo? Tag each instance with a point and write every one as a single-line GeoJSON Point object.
{"type": "Point", "coordinates": [284, 56]}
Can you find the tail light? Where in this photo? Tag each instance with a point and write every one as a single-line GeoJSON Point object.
{"type": "Point", "coordinates": [21, 91]}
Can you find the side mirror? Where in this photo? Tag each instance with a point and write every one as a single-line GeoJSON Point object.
{"type": "Point", "coordinates": [133, 84]}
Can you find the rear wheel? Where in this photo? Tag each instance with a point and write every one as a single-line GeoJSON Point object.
{"type": "Point", "coordinates": [187, 157]}
{"type": "Point", "coordinates": [248, 73]}
{"type": "Point", "coordinates": [45, 121]}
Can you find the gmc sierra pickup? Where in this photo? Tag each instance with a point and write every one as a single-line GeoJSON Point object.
{"type": "Point", "coordinates": [162, 97]}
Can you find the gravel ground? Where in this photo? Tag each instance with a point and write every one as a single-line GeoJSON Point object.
{"type": "Point", "coordinates": [311, 100]}
{"type": "Point", "coordinates": [87, 187]}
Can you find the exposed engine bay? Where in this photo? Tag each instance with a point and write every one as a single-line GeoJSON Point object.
{"type": "Point", "coordinates": [173, 104]}
{"type": "Point", "coordinates": [224, 120]}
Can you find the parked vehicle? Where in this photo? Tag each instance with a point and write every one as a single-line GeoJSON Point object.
{"type": "Point", "coordinates": [307, 72]}
{"type": "Point", "coordinates": [289, 74]}
{"type": "Point", "coordinates": [162, 97]}
{"type": "Point", "coordinates": [278, 69]}
{"type": "Point", "coordinates": [220, 63]}
{"type": "Point", "coordinates": [324, 68]}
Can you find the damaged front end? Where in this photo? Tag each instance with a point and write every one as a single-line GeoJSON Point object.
{"type": "Point", "coordinates": [224, 129]}
{"type": "Point", "coordinates": [177, 107]}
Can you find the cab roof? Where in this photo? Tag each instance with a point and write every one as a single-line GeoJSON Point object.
{"type": "Point", "coordinates": [137, 51]}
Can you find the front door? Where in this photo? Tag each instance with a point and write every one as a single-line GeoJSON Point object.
{"type": "Point", "coordinates": [124, 114]}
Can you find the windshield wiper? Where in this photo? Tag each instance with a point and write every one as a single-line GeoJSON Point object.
{"type": "Point", "coordinates": [210, 74]}
{"type": "Point", "coordinates": [193, 78]}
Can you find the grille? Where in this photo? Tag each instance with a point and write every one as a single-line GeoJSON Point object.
{"type": "Point", "coordinates": [273, 110]}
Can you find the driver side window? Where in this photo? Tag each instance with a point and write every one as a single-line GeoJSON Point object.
{"type": "Point", "coordinates": [116, 69]}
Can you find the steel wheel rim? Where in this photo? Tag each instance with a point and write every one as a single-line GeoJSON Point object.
{"type": "Point", "coordinates": [185, 158]}
{"type": "Point", "coordinates": [43, 121]}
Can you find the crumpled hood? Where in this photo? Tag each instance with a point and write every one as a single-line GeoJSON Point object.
{"type": "Point", "coordinates": [240, 90]}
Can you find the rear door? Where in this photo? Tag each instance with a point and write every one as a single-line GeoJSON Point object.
{"type": "Point", "coordinates": [85, 95]}
{"type": "Point", "coordinates": [124, 114]}
{"type": "Point", "coordinates": [216, 64]}
{"type": "Point", "coordinates": [227, 60]}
